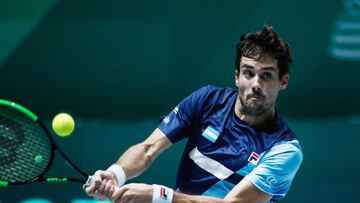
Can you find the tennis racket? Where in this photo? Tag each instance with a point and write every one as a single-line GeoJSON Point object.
{"type": "Point", "coordinates": [27, 149]}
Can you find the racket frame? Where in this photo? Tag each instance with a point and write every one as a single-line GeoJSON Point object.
{"type": "Point", "coordinates": [54, 147]}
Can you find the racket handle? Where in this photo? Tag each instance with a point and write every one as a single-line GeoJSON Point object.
{"type": "Point", "coordinates": [88, 181]}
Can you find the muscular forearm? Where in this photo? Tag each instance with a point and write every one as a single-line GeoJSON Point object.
{"type": "Point", "coordinates": [139, 157]}
{"type": "Point", "coordinates": [243, 192]}
{"type": "Point", "coordinates": [132, 163]}
{"type": "Point", "coordinates": [136, 159]}
{"type": "Point", "coordinates": [183, 198]}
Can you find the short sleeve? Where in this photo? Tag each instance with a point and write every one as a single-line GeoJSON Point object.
{"type": "Point", "coordinates": [277, 168]}
{"type": "Point", "coordinates": [177, 124]}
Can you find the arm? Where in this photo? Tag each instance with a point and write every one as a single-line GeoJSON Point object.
{"type": "Point", "coordinates": [139, 157]}
{"type": "Point", "coordinates": [281, 162]}
{"type": "Point", "coordinates": [133, 162]}
{"type": "Point", "coordinates": [243, 192]}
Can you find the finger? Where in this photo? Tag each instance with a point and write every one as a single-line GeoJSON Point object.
{"type": "Point", "coordinates": [97, 194]}
{"type": "Point", "coordinates": [96, 181]}
{"type": "Point", "coordinates": [112, 188]}
{"type": "Point", "coordinates": [99, 182]}
{"type": "Point", "coordinates": [111, 191]}
{"type": "Point", "coordinates": [101, 186]}
{"type": "Point", "coordinates": [90, 189]}
{"type": "Point", "coordinates": [94, 186]}
{"type": "Point", "coordinates": [108, 187]}
{"type": "Point", "coordinates": [108, 175]}
{"type": "Point", "coordinates": [118, 193]}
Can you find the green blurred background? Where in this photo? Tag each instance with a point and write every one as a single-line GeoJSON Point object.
{"type": "Point", "coordinates": [117, 66]}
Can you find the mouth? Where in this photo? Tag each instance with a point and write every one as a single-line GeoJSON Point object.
{"type": "Point", "coordinates": [256, 98]}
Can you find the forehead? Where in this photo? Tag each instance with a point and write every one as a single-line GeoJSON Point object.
{"type": "Point", "coordinates": [266, 61]}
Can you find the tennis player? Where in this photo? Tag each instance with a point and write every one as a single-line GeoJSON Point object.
{"type": "Point", "coordinates": [239, 148]}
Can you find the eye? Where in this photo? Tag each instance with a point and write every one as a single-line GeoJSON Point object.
{"type": "Point", "coordinates": [267, 76]}
{"type": "Point", "coordinates": [248, 74]}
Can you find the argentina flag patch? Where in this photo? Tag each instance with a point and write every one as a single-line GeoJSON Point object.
{"type": "Point", "coordinates": [211, 134]}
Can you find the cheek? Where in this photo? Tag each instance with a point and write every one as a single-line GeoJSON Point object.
{"type": "Point", "coordinates": [242, 89]}
{"type": "Point", "coordinates": [271, 92]}
{"type": "Point", "coordinates": [244, 85]}
{"type": "Point", "coordinates": [273, 96]}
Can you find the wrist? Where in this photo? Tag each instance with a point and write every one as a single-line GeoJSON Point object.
{"type": "Point", "coordinates": [162, 194]}
{"type": "Point", "coordinates": [118, 173]}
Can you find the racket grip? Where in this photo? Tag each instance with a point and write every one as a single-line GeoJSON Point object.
{"type": "Point", "coordinates": [88, 181]}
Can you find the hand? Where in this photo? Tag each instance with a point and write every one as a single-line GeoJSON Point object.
{"type": "Point", "coordinates": [102, 185]}
{"type": "Point", "coordinates": [132, 193]}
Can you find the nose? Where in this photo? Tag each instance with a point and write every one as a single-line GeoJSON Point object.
{"type": "Point", "coordinates": [256, 87]}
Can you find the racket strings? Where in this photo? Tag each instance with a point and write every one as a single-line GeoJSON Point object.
{"type": "Point", "coordinates": [25, 148]}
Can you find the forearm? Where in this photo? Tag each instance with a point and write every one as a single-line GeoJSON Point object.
{"type": "Point", "coordinates": [139, 157]}
{"type": "Point", "coordinates": [136, 159]}
{"type": "Point", "coordinates": [132, 163]}
{"type": "Point", "coordinates": [184, 198]}
{"type": "Point", "coordinates": [243, 192]}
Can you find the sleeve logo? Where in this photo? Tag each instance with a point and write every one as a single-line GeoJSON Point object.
{"type": "Point", "coordinates": [271, 180]}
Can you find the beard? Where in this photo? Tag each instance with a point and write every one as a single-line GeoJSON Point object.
{"type": "Point", "coordinates": [252, 110]}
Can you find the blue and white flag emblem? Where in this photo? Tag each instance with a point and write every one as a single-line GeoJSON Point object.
{"type": "Point", "coordinates": [211, 134]}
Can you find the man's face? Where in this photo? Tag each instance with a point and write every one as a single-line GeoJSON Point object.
{"type": "Point", "coordinates": [259, 84]}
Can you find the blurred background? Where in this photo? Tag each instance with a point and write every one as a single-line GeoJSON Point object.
{"type": "Point", "coordinates": [118, 65]}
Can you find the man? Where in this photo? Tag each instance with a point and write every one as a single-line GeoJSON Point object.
{"type": "Point", "coordinates": [239, 149]}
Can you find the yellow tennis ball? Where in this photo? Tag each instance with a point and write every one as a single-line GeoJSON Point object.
{"type": "Point", "coordinates": [63, 124]}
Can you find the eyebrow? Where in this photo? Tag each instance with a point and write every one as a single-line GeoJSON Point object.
{"type": "Point", "coordinates": [247, 66]}
{"type": "Point", "coordinates": [269, 68]}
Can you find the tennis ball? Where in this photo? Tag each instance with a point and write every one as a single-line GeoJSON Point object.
{"type": "Point", "coordinates": [63, 124]}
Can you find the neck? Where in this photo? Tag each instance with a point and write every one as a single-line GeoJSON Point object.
{"type": "Point", "coordinates": [255, 120]}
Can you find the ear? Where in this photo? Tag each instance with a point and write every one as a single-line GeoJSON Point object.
{"type": "Point", "coordinates": [284, 81]}
{"type": "Point", "coordinates": [236, 77]}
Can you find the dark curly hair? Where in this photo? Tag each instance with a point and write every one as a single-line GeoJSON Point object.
{"type": "Point", "coordinates": [266, 41]}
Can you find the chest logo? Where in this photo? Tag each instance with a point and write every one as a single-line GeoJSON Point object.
{"type": "Point", "coordinates": [254, 158]}
{"type": "Point", "coordinates": [211, 134]}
